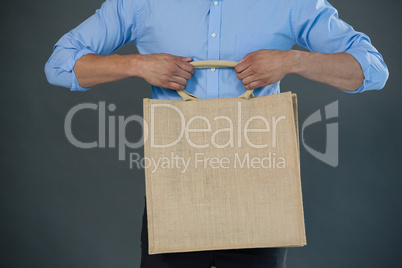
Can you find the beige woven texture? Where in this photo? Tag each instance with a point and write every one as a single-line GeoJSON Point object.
{"type": "Point", "coordinates": [237, 204]}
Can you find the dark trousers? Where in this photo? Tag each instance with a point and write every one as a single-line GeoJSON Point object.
{"type": "Point", "coordinates": [250, 258]}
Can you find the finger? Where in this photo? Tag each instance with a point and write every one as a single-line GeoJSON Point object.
{"type": "Point", "coordinates": [187, 59]}
{"type": "Point", "coordinates": [175, 86]}
{"type": "Point", "coordinates": [243, 65]}
{"type": "Point", "coordinates": [245, 73]}
{"type": "Point", "coordinates": [249, 79]}
{"type": "Point", "coordinates": [186, 66]}
{"type": "Point", "coordinates": [253, 85]}
{"type": "Point", "coordinates": [178, 80]}
{"type": "Point", "coordinates": [182, 73]}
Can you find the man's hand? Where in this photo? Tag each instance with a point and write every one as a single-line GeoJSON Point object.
{"type": "Point", "coordinates": [165, 70]}
{"type": "Point", "coordinates": [162, 70]}
{"type": "Point", "coordinates": [263, 67]}
{"type": "Point", "coordinates": [266, 67]}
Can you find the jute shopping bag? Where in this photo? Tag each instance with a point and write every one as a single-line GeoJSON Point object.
{"type": "Point", "coordinates": [222, 173]}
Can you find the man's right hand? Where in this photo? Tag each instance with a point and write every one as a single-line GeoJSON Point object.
{"type": "Point", "coordinates": [161, 70]}
{"type": "Point", "coordinates": [165, 70]}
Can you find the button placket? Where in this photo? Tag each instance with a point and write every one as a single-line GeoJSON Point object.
{"type": "Point", "coordinates": [215, 16]}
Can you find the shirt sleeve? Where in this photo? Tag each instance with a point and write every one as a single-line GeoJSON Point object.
{"type": "Point", "coordinates": [112, 26]}
{"type": "Point", "coordinates": [317, 27]}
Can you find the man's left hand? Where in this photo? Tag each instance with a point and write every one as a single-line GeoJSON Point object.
{"type": "Point", "coordinates": [263, 67]}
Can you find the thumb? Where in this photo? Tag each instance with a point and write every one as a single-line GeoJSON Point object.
{"type": "Point", "coordinates": [187, 59]}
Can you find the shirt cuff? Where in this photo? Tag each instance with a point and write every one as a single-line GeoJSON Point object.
{"type": "Point", "coordinates": [362, 56]}
{"type": "Point", "coordinates": [74, 83]}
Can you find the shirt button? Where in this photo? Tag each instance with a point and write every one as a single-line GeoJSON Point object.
{"type": "Point", "coordinates": [212, 69]}
{"type": "Point", "coordinates": [216, 3]}
{"type": "Point", "coordinates": [213, 35]}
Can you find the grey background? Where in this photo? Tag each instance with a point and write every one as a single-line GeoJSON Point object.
{"type": "Point", "coordinates": [62, 206]}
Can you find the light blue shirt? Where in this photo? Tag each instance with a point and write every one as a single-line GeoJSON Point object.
{"type": "Point", "coordinates": [213, 30]}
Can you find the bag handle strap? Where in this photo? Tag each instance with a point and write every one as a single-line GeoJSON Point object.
{"type": "Point", "coordinates": [213, 64]}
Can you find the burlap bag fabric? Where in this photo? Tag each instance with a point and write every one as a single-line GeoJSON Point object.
{"type": "Point", "coordinates": [222, 173]}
